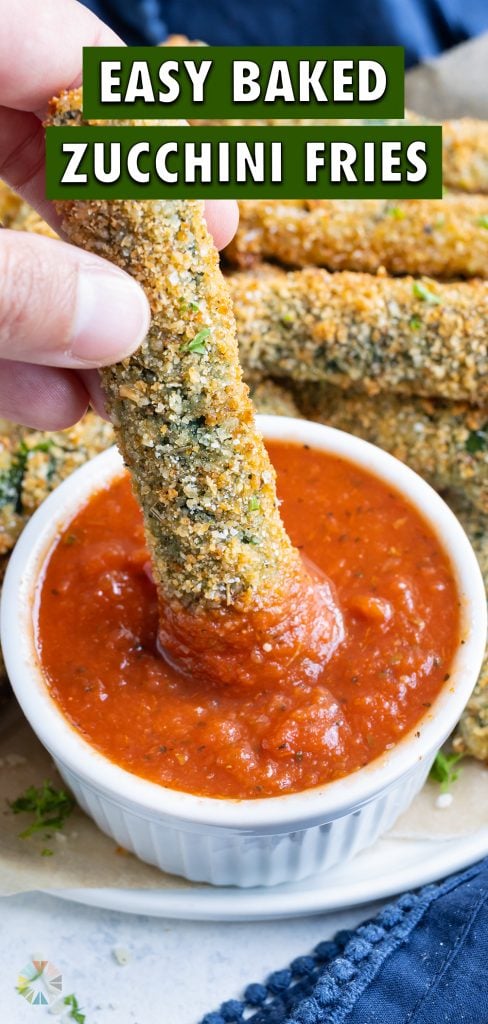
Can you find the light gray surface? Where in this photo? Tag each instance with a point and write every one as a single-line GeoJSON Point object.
{"type": "Point", "coordinates": [177, 970]}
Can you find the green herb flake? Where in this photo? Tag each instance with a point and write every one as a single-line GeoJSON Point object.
{"type": "Point", "coordinates": [11, 480]}
{"type": "Point", "coordinates": [422, 292]}
{"type": "Point", "coordinates": [477, 440]}
{"type": "Point", "coordinates": [396, 212]}
{"type": "Point", "coordinates": [75, 1012]}
{"type": "Point", "coordinates": [197, 344]}
{"type": "Point", "coordinates": [249, 538]}
{"type": "Point", "coordinates": [46, 852]}
{"type": "Point", "coordinates": [415, 323]}
{"type": "Point", "coordinates": [287, 318]}
{"type": "Point", "coordinates": [443, 770]}
{"type": "Point", "coordinates": [50, 807]}
{"type": "Point", "coordinates": [254, 504]}
{"type": "Point", "coordinates": [483, 221]}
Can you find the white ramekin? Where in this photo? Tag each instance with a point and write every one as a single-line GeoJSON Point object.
{"type": "Point", "coordinates": [247, 842]}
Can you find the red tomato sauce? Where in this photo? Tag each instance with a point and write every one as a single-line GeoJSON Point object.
{"type": "Point", "coordinates": [98, 629]}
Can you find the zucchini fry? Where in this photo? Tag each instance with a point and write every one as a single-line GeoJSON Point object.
{"type": "Point", "coordinates": [471, 735]}
{"type": "Point", "coordinates": [33, 463]}
{"type": "Point", "coordinates": [442, 238]}
{"type": "Point", "coordinates": [270, 399]}
{"type": "Point", "coordinates": [447, 443]}
{"type": "Point", "coordinates": [182, 414]}
{"type": "Point", "coordinates": [377, 333]}
{"type": "Point", "coordinates": [464, 145]}
{"type": "Point", "coordinates": [465, 154]}
{"type": "Point", "coordinates": [10, 204]}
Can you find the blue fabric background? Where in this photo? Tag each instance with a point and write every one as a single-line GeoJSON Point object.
{"type": "Point", "coordinates": [423, 27]}
{"type": "Point", "coordinates": [422, 960]}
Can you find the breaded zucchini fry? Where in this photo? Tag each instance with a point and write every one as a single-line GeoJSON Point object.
{"type": "Point", "coordinates": [182, 413]}
{"type": "Point", "coordinates": [472, 732]}
{"type": "Point", "coordinates": [465, 154]}
{"type": "Point", "coordinates": [19, 216]}
{"type": "Point", "coordinates": [447, 443]}
{"type": "Point", "coordinates": [377, 333]}
{"type": "Point", "coordinates": [10, 204]}
{"type": "Point", "coordinates": [442, 238]}
{"type": "Point", "coordinates": [269, 399]}
{"type": "Point", "coordinates": [33, 463]}
{"type": "Point", "coordinates": [3, 671]}
{"type": "Point", "coordinates": [464, 145]}
{"type": "Point", "coordinates": [27, 219]}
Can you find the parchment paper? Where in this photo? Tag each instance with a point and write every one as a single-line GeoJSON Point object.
{"type": "Point", "coordinates": [455, 85]}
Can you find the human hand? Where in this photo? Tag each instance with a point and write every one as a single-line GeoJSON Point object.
{"type": "Point", "coordinates": [63, 312]}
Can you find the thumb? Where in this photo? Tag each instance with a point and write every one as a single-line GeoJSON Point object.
{"type": "Point", "coordinates": [60, 306]}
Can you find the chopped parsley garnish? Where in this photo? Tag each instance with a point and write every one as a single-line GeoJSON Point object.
{"type": "Point", "coordinates": [254, 504]}
{"type": "Point", "coordinates": [50, 807]}
{"type": "Point", "coordinates": [422, 292]}
{"type": "Point", "coordinates": [75, 1012]}
{"type": "Point", "coordinates": [483, 221]}
{"type": "Point", "coordinates": [444, 770]}
{"type": "Point", "coordinates": [197, 344]}
{"type": "Point", "coordinates": [477, 440]}
{"type": "Point", "coordinates": [415, 323]}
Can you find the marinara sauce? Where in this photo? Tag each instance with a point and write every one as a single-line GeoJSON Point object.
{"type": "Point", "coordinates": [98, 630]}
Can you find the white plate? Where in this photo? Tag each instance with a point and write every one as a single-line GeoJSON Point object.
{"type": "Point", "coordinates": [391, 866]}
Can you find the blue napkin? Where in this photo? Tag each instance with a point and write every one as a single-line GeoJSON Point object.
{"type": "Point", "coordinates": [424, 27]}
{"type": "Point", "coordinates": [422, 960]}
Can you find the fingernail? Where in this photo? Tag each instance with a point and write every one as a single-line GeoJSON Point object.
{"type": "Point", "coordinates": [111, 316]}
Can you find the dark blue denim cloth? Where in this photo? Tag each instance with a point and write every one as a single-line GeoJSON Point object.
{"type": "Point", "coordinates": [422, 960]}
{"type": "Point", "coordinates": [424, 27]}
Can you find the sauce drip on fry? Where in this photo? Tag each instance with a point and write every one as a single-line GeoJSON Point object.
{"type": "Point", "coordinates": [279, 730]}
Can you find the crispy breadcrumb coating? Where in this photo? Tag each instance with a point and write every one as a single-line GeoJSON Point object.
{"type": "Point", "coordinates": [377, 333]}
{"type": "Point", "coordinates": [34, 462]}
{"type": "Point", "coordinates": [271, 399]}
{"type": "Point", "coordinates": [10, 204]}
{"type": "Point", "coordinates": [447, 443]}
{"type": "Point", "coordinates": [182, 414]}
{"type": "Point", "coordinates": [443, 238]}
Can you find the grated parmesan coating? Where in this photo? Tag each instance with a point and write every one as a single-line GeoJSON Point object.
{"type": "Point", "coordinates": [34, 462]}
{"type": "Point", "coordinates": [183, 417]}
{"type": "Point", "coordinates": [447, 443]}
{"type": "Point", "coordinates": [271, 399]}
{"type": "Point", "coordinates": [464, 145]}
{"type": "Point", "coordinates": [443, 238]}
{"type": "Point", "coordinates": [376, 333]}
